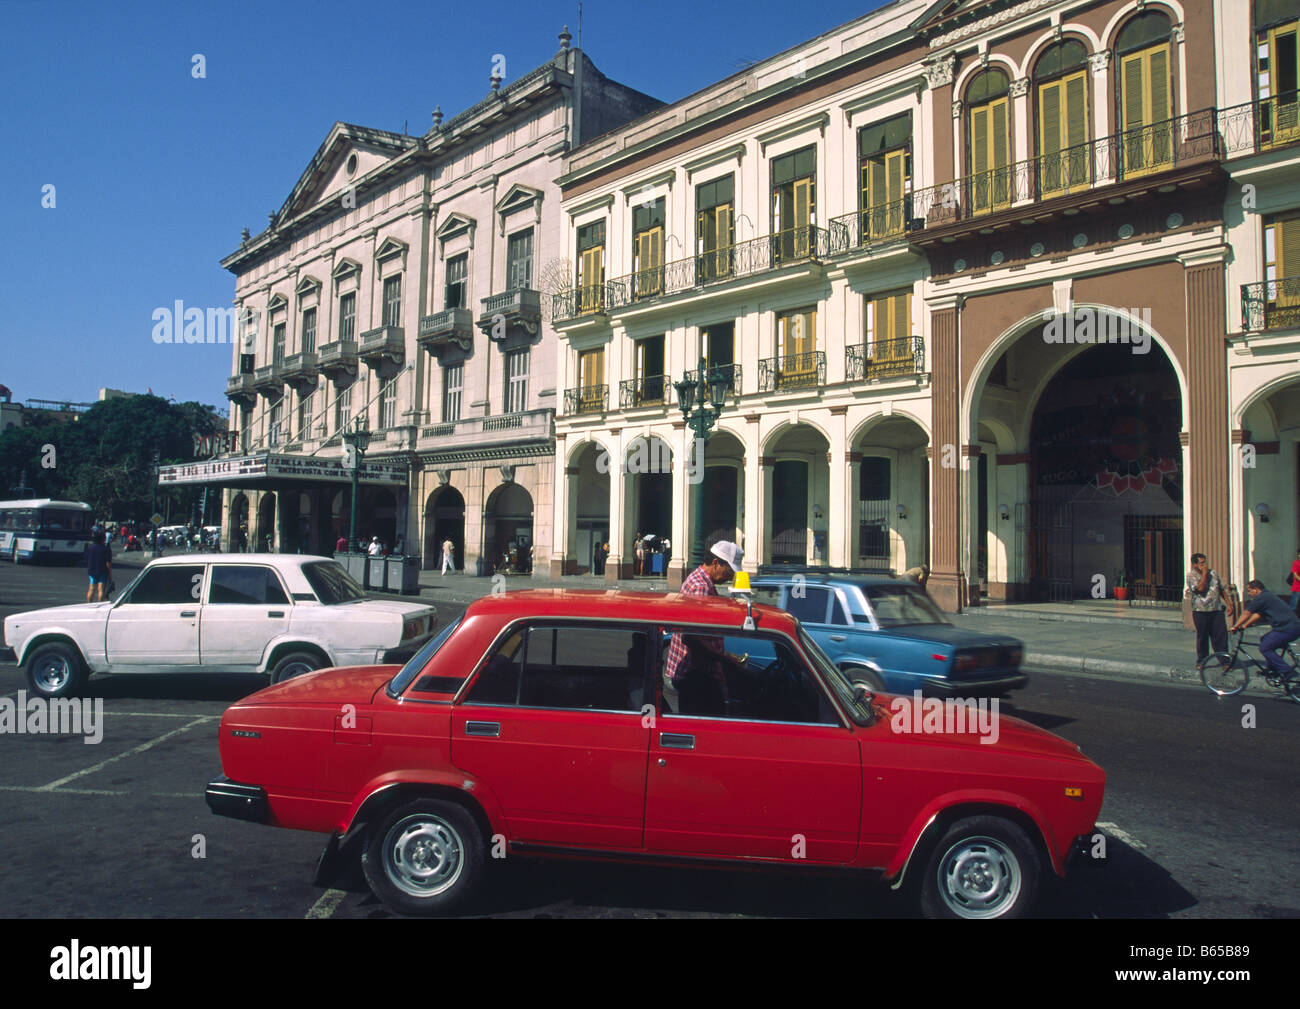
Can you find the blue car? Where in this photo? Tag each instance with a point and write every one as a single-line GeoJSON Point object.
{"type": "Point", "coordinates": [887, 633]}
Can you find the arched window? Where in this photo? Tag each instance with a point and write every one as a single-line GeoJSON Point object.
{"type": "Point", "coordinates": [1061, 88]}
{"type": "Point", "coordinates": [1145, 94]}
{"type": "Point", "coordinates": [988, 132]}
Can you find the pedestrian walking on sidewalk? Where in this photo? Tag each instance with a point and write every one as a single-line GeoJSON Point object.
{"type": "Point", "coordinates": [1211, 608]}
{"type": "Point", "coordinates": [448, 561]}
{"type": "Point", "coordinates": [1293, 579]}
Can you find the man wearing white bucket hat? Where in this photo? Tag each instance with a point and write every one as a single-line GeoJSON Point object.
{"type": "Point", "coordinates": [720, 565]}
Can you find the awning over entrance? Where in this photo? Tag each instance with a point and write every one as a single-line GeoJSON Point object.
{"type": "Point", "coordinates": [267, 469]}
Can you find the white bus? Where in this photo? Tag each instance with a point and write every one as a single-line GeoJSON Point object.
{"type": "Point", "coordinates": [40, 528]}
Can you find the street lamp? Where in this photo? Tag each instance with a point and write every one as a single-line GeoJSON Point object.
{"type": "Point", "coordinates": [359, 440]}
{"type": "Point", "coordinates": [706, 387]}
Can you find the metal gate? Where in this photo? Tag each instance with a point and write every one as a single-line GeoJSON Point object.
{"type": "Point", "coordinates": [1153, 559]}
{"type": "Point", "coordinates": [1045, 547]}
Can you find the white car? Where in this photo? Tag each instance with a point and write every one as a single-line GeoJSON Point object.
{"type": "Point", "coordinates": [282, 614]}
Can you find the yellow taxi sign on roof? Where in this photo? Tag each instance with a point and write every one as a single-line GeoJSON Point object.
{"type": "Point", "coordinates": [741, 584]}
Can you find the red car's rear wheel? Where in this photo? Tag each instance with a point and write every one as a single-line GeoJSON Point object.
{"type": "Point", "coordinates": [425, 857]}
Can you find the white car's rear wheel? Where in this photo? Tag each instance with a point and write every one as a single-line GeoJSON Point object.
{"type": "Point", "coordinates": [295, 664]}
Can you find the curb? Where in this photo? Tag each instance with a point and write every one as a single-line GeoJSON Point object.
{"type": "Point", "coordinates": [988, 613]}
{"type": "Point", "coordinates": [1088, 664]}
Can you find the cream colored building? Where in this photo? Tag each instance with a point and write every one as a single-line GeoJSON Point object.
{"type": "Point", "coordinates": [966, 266]}
{"type": "Point", "coordinates": [399, 287]}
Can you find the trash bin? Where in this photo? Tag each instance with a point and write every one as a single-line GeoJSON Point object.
{"type": "Point", "coordinates": [354, 565]}
{"type": "Point", "coordinates": [377, 574]}
{"type": "Point", "coordinates": [657, 564]}
{"type": "Point", "coordinates": [404, 575]}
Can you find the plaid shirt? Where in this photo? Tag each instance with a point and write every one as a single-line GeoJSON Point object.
{"type": "Point", "coordinates": [697, 583]}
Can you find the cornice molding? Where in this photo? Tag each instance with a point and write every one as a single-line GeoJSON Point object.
{"type": "Point", "coordinates": [991, 21]}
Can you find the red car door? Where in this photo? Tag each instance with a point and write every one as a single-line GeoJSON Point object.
{"type": "Point", "coordinates": [553, 726]}
{"type": "Point", "coordinates": [768, 771]}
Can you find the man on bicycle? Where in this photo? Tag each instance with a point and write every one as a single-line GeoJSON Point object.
{"type": "Point", "coordinates": [1263, 605]}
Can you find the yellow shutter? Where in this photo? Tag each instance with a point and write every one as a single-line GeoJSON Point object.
{"type": "Point", "coordinates": [1287, 245]}
{"type": "Point", "coordinates": [649, 261]}
{"type": "Point", "coordinates": [803, 207]}
{"type": "Point", "coordinates": [896, 180]}
{"type": "Point", "coordinates": [1075, 164]}
{"type": "Point", "coordinates": [1147, 107]}
{"type": "Point", "coordinates": [1161, 109]}
{"type": "Point", "coordinates": [1283, 60]}
{"type": "Point", "coordinates": [876, 195]}
{"type": "Point", "coordinates": [979, 141]}
{"type": "Point", "coordinates": [1133, 107]}
{"type": "Point", "coordinates": [591, 280]}
{"type": "Point", "coordinates": [1000, 148]}
{"type": "Point", "coordinates": [1049, 138]}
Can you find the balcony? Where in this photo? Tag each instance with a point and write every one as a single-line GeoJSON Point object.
{"type": "Point", "coordinates": [1187, 140]}
{"type": "Point", "coordinates": [477, 432]}
{"type": "Point", "coordinates": [452, 327]}
{"type": "Point", "coordinates": [1271, 305]}
{"type": "Point", "coordinates": [751, 258]}
{"type": "Point", "coordinates": [239, 388]}
{"type": "Point", "coordinates": [1266, 124]}
{"type": "Point", "coordinates": [269, 380]}
{"type": "Point", "coordinates": [577, 302]}
{"type": "Point", "coordinates": [384, 349]}
{"type": "Point", "coordinates": [338, 359]}
{"type": "Point", "coordinates": [511, 311]}
{"type": "Point", "coordinates": [586, 399]}
{"type": "Point", "coordinates": [792, 371]}
{"type": "Point", "coordinates": [876, 225]}
{"type": "Point", "coordinates": [649, 390]}
{"type": "Point", "coordinates": [885, 359]}
{"type": "Point", "coordinates": [301, 370]}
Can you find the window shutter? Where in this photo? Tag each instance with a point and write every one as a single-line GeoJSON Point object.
{"type": "Point", "coordinates": [1049, 136]}
{"type": "Point", "coordinates": [1075, 166]}
{"type": "Point", "coordinates": [1001, 151]}
{"type": "Point", "coordinates": [1287, 239]}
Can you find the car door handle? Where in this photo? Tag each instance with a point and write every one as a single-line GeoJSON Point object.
{"type": "Point", "coordinates": [482, 728]}
{"type": "Point", "coordinates": [838, 637]}
{"type": "Point", "coordinates": [189, 613]}
{"type": "Point", "coordinates": [676, 741]}
{"type": "Point", "coordinates": [275, 613]}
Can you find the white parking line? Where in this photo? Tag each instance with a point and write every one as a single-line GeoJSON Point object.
{"type": "Point", "coordinates": [42, 789]}
{"type": "Point", "coordinates": [327, 905]}
{"type": "Point", "coordinates": [129, 753]}
{"type": "Point", "coordinates": [1122, 835]}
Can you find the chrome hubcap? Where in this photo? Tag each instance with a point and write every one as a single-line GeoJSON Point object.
{"type": "Point", "coordinates": [52, 674]}
{"type": "Point", "coordinates": [980, 878]}
{"type": "Point", "coordinates": [423, 855]}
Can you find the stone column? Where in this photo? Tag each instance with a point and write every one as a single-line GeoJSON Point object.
{"type": "Point", "coordinates": [1207, 480]}
{"type": "Point", "coordinates": [838, 491]}
{"type": "Point", "coordinates": [752, 519]}
{"type": "Point", "coordinates": [947, 584]}
{"type": "Point", "coordinates": [767, 464]}
{"type": "Point", "coordinates": [619, 492]}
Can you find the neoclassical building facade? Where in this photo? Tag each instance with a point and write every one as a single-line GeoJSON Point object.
{"type": "Point", "coordinates": [398, 289]}
{"type": "Point", "coordinates": [970, 273]}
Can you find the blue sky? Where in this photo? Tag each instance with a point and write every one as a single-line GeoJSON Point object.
{"type": "Point", "coordinates": [155, 172]}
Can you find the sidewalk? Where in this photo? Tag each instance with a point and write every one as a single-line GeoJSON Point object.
{"type": "Point", "coordinates": [1070, 638]}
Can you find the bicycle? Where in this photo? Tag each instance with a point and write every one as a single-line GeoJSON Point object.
{"type": "Point", "coordinates": [1228, 673]}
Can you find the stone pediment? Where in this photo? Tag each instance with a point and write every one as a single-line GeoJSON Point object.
{"type": "Point", "coordinates": [348, 155]}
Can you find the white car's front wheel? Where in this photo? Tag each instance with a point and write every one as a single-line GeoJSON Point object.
{"type": "Point", "coordinates": [55, 670]}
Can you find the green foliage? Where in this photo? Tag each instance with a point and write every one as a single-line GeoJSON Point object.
{"type": "Point", "coordinates": [105, 455]}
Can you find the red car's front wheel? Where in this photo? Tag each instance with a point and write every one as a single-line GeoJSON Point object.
{"type": "Point", "coordinates": [425, 857]}
{"type": "Point", "coordinates": [984, 867]}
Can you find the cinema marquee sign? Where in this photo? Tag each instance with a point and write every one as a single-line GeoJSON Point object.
{"type": "Point", "coordinates": [267, 467]}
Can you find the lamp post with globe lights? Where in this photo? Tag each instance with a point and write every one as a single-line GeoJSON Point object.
{"type": "Point", "coordinates": [358, 439]}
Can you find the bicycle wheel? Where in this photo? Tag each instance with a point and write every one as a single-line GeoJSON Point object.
{"type": "Point", "coordinates": [1224, 673]}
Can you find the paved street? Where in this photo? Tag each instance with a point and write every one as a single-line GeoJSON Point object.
{"type": "Point", "coordinates": [1197, 820]}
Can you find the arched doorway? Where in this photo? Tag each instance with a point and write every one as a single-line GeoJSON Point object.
{"type": "Point", "coordinates": [724, 487]}
{"type": "Point", "coordinates": [589, 506]}
{"type": "Point", "coordinates": [1102, 499]}
{"type": "Point", "coordinates": [797, 495]}
{"type": "Point", "coordinates": [889, 480]}
{"type": "Point", "coordinates": [265, 541]}
{"type": "Point", "coordinates": [1269, 506]}
{"type": "Point", "coordinates": [508, 522]}
{"type": "Point", "coordinates": [237, 535]}
{"type": "Point", "coordinates": [649, 502]}
{"type": "Point", "coordinates": [444, 519]}
{"type": "Point", "coordinates": [381, 516]}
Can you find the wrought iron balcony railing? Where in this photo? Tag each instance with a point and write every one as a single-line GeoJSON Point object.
{"type": "Point", "coordinates": [1130, 154]}
{"type": "Point", "coordinates": [649, 390]}
{"type": "Point", "coordinates": [1262, 125]}
{"type": "Point", "coordinates": [1271, 304]}
{"type": "Point", "coordinates": [586, 399]}
{"type": "Point", "coordinates": [882, 223]}
{"type": "Point", "coordinates": [885, 359]}
{"type": "Point", "coordinates": [593, 299]}
{"type": "Point", "coordinates": [731, 372]}
{"type": "Point", "coordinates": [744, 259]}
{"type": "Point", "coordinates": [792, 371]}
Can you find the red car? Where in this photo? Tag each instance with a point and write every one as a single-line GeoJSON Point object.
{"type": "Point", "coordinates": [542, 723]}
